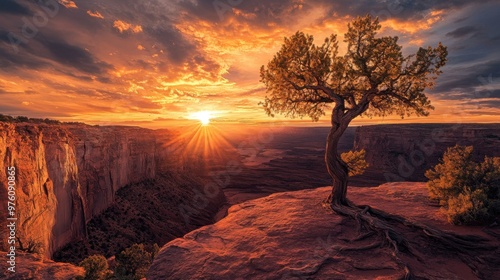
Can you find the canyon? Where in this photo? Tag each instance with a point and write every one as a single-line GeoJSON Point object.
{"type": "Point", "coordinates": [68, 174]}
{"type": "Point", "coordinates": [98, 189]}
{"type": "Point", "coordinates": [404, 153]}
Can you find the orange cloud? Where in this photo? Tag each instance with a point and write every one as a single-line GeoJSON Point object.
{"type": "Point", "coordinates": [95, 14]}
{"type": "Point", "coordinates": [68, 4]}
{"type": "Point", "coordinates": [123, 26]}
{"type": "Point", "coordinates": [413, 27]}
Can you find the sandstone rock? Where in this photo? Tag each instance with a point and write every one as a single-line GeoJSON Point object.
{"type": "Point", "coordinates": [23, 147]}
{"type": "Point", "coordinates": [109, 158]}
{"type": "Point", "coordinates": [291, 235]}
{"type": "Point", "coordinates": [36, 267]}
{"type": "Point", "coordinates": [67, 174]}
{"type": "Point", "coordinates": [405, 152]}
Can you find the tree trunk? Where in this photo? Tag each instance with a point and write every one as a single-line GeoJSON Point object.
{"type": "Point", "coordinates": [336, 167]}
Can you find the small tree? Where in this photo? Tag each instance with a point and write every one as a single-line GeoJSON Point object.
{"type": "Point", "coordinates": [355, 161]}
{"type": "Point", "coordinates": [31, 246]}
{"type": "Point", "coordinates": [468, 191]}
{"type": "Point", "coordinates": [154, 251]}
{"type": "Point", "coordinates": [96, 268]}
{"type": "Point", "coordinates": [133, 262]}
{"type": "Point", "coordinates": [373, 78]}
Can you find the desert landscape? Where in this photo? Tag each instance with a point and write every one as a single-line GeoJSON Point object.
{"type": "Point", "coordinates": [233, 139]}
{"type": "Point", "coordinates": [283, 212]}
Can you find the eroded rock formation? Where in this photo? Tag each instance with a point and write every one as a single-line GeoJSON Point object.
{"type": "Point", "coordinates": [405, 152]}
{"type": "Point", "coordinates": [68, 174]}
{"type": "Point", "coordinates": [290, 235]}
{"type": "Point", "coordinates": [36, 267]}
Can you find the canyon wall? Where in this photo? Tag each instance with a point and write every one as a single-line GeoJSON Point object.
{"type": "Point", "coordinates": [109, 158]}
{"type": "Point", "coordinates": [405, 152]}
{"type": "Point", "coordinates": [67, 174]}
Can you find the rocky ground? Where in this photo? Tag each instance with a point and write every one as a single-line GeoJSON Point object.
{"type": "Point", "coordinates": [36, 267]}
{"type": "Point", "coordinates": [291, 235]}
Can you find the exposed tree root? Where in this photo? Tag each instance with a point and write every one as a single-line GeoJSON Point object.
{"type": "Point", "coordinates": [403, 236]}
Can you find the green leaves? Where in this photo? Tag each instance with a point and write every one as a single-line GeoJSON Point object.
{"type": "Point", "coordinates": [373, 77]}
{"type": "Point", "coordinates": [355, 161]}
{"type": "Point", "coordinates": [298, 65]}
{"type": "Point", "coordinates": [96, 268]}
{"type": "Point", "coordinates": [133, 262]}
{"type": "Point", "coordinates": [469, 191]}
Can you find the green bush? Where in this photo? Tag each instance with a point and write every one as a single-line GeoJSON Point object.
{"type": "Point", "coordinates": [23, 119]}
{"type": "Point", "coordinates": [468, 191]}
{"type": "Point", "coordinates": [96, 268]}
{"type": "Point", "coordinates": [355, 161]}
{"type": "Point", "coordinates": [133, 262]}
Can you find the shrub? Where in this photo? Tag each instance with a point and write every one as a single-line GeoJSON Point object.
{"type": "Point", "coordinates": [23, 119]}
{"type": "Point", "coordinates": [133, 262]}
{"type": "Point", "coordinates": [355, 161]}
{"type": "Point", "coordinates": [96, 268]}
{"type": "Point", "coordinates": [31, 246]}
{"type": "Point", "coordinates": [154, 251]}
{"type": "Point", "coordinates": [468, 191]}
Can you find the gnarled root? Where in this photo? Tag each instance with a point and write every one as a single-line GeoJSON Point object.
{"type": "Point", "coordinates": [406, 237]}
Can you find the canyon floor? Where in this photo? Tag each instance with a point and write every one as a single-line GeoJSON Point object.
{"type": "Point", "coordinates": [291, 235]}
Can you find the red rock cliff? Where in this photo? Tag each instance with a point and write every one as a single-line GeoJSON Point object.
{"type": "Point", "coordinates": [67, 174]}
{"type": "Point", "coordinates": [405, 152]}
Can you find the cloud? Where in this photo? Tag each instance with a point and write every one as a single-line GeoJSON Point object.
{"type": "Point", "coordinates": [68, 4]}
{"type": "Point", "coordinates": [10, 59]}
{"type": "Point", "coordinates": [194, 55]}
{"type": "Point", "coordinates": [75, 57]}
{"type": "Point", "coordinates": [178, 48]}
{"type": "Point", "coordinates": [95, 14]}
{"type": "Point", "coordinates": [462, 31]}
{"type": "Point", "coordinates": [123, 26]}
{"type": "Point", "coordinates": [14, 8]}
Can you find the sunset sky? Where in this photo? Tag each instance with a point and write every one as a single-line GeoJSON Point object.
{"type": "Point", "coordinates": [154, 63]}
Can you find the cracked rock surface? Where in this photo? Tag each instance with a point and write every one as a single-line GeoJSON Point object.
{"type": "Point", "coordinates": [290, 235]}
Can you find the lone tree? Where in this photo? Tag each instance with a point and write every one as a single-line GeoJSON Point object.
{"type": "Point", "coordinates": [373, 78]}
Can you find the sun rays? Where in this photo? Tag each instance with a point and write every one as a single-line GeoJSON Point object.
{"type": "Point", "coordinates": [206, 144]}
{"type": "Point", "coordinates": [203, 116]}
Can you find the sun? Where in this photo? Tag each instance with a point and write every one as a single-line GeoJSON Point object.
{"type": "Point", "coordinates": [203, 116]}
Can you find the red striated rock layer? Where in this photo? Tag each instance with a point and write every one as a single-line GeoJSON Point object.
{"type": "Point", "coordinates": [36, 267]}
{"type": "Point", "coordinates": [67, 174]}
{"type": "Point", "coordinates": [405, 152]}
{"type": "Point", "coordinates": [109, 158]}
{"type": "Point", "coordinates": [291, 235]}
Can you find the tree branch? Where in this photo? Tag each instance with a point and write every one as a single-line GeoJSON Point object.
{"type": "Point", "coordinates": [336, 98]}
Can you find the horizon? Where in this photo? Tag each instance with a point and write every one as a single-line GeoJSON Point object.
{"type": "Point", "coordinates": [155, 64]}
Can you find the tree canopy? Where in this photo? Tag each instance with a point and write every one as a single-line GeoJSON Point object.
{"type": "Point", "coordinates": [372, 78]}
{"type": "Point", "coordinates": [468, 190]}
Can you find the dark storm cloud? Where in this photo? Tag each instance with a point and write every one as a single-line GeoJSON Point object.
{"type": "Point", "coordinates": [283, 12]}
{"type": "Point", "coordinates": [75, 56]}
{"type": "Point", "coordinates": [404, 9]}
{"type": "Point", "coordinates": [178, 48]}
{"type": "Point", "coordinates": [208, 10]}
{"type": "Point", "coordinates": [262, 11]}
{"type": "Point", "coordinates": [14, 8]}
{"type": "Point", "coordinates": [462, 31]}
{"type": "Point", "coordinates": [10, 60]}
{"type": "Point", "coordinates": [466, 79]}
{"type": "Point", "coordinates": [472, 72]}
